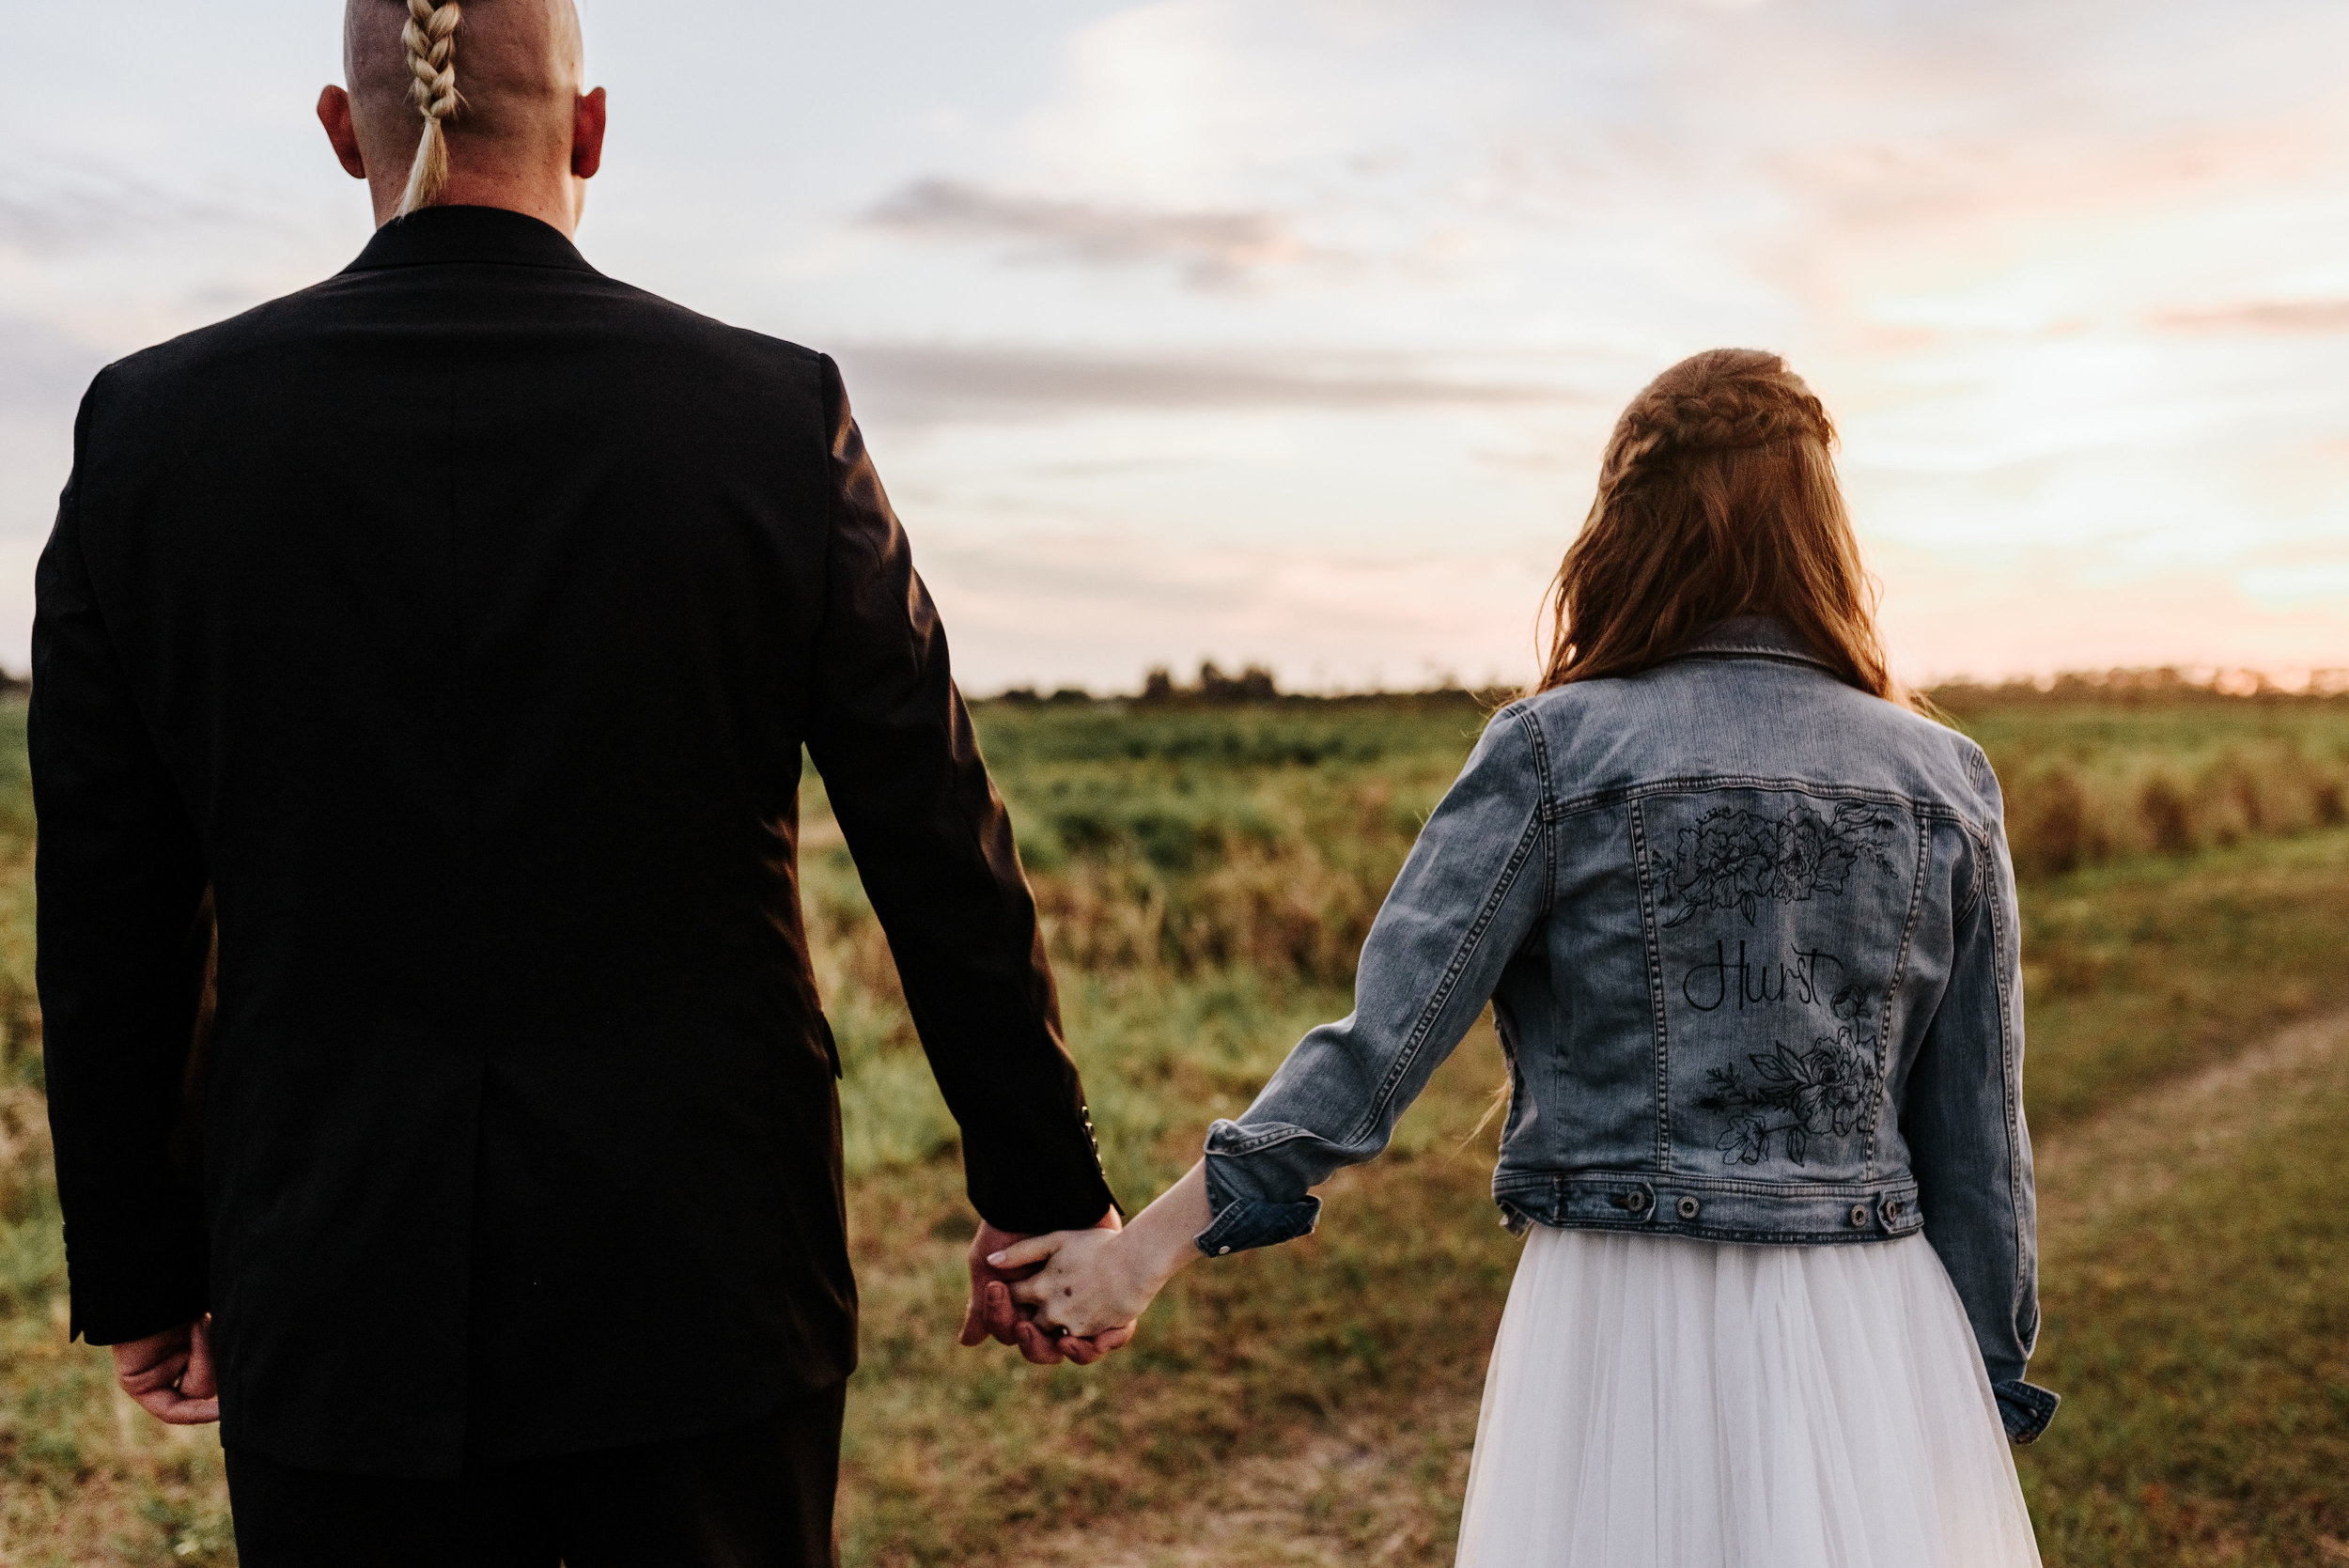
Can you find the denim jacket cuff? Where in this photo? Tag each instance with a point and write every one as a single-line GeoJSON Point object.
{"type": "Point", "coordinates": [1242, 1222]}
{"type": "Point", "coordinates": [1248, 1223]}
{"type": "Point", "coordinates": [2026, 1408]}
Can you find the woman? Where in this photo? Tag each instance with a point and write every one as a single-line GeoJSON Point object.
{"type": "Point", "coordinates": [1747, 924]}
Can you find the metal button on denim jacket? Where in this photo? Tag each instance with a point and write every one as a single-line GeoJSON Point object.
{"type": "Point", "coordinates": [1750, 938]}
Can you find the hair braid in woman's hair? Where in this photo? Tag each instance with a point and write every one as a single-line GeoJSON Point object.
{"type": "Point", "coordinates": [1734, 405]}
{"type": "Point", "coordinates": [430, 36]}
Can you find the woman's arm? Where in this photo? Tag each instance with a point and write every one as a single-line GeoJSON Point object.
{"type": "Point", "coordinates": [1098, 1281]}
{"type": "Point", "coordinates": [1478, 882]}
{"type": "Point", "coordinates": [1962, 1117]}
{"type": "Point", "coordinates": [1475, 885]}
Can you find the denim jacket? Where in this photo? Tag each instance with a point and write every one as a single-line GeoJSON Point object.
{"type": "Point", "coordinates": [1749, 937]}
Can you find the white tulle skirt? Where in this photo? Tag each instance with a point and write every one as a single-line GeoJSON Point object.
{"type": "Point", "coordinates": [1659, 1403]}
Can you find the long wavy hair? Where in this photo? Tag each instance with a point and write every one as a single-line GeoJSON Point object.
{"type": "Point", "coordinates": [1717, 498]}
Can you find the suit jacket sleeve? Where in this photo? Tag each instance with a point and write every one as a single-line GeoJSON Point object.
{"type": "Point", "coordinates": [933, 844]}
{"type": "Point", "coordinates": [120, 882]}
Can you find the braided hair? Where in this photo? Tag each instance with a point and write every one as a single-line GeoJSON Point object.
{"type": "Point", "coordinates": [430, 37]}
{"type": "Point", "coordinates": [1717, 498]}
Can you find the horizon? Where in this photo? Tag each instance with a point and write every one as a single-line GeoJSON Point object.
{"type": "Point", "coordinates": [2122, 682]}
{"type": "Point", "coordinates": [1289, 334]}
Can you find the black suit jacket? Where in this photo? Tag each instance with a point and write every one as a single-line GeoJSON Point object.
{"type": "Point", "coordinates": [458, 623]}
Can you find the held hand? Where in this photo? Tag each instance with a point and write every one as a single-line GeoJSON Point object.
{"type": "Point", "coordinates": [1091, 1282]}
{"type": "Point", "coordinates": [1098, 1282]}
{"type": "Point", "coordinates": [171, 1374]}
{"type": "Point", "coordinates": [992, 1314]}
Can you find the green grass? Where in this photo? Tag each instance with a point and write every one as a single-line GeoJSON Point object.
{"type": "Point", "coordinates": [2142, 971]}
{"type": "Point", "coordinates": [2202, 1338]}
{"type": "Point", "coordinates": [1206, 875]}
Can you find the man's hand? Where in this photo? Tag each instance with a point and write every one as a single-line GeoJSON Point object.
{"type": "Point", "coordinates": [992, 1313]}
{"type": "Point", "coordinates": [171, 1375]}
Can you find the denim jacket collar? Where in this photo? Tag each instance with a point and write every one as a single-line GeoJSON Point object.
{"type": "Point", "coordinates": [1753, 637]}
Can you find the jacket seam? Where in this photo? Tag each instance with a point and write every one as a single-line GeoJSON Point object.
{"type": "Point", "coordinates": [2007, 1122]}
{"type": "Point", "coordinates": [1750, 650]}
{"type": "Point", "coordinates": [1686, 783]}
{"type": "Point", "coordinates": [1643, 893]}
{"type": "Point", "coordinates": [1541, 772]}
{"type": "Point", "coordinates": [1891, 1186]}
{"type": "Point", "coordinates": [1978, 853]}
{"type": "Point", "coordinates": [1892, 994]}
{"type": "Point", "coordinates": [1286, 1133]}
{"type": "Point", "coordinates": [1735, 1235]}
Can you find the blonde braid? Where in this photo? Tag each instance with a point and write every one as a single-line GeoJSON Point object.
{"type": "Point", "coordinates": [430, 36]}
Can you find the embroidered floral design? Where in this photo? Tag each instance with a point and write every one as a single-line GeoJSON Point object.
{"type": "Point", "coordinates": [1801, 1096]}
{"type": "Point", "coordinates": [1735, 858]}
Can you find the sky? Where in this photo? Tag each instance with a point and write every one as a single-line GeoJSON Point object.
{"type": "Point", "coordinates": [1289, 331]}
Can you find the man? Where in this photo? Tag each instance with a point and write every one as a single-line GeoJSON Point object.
{"type": "Point", "coordinates": [448, 634]}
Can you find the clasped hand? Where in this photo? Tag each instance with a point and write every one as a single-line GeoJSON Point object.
{"type": "Point", "coordinates": [992, 1313]}
{"type": "Point", "coordinates": [1078, 1293]}
{"type": "Point", "coordinates": [1087, 1288]}
{"type": "Point", "coordinates": [1084, 1283]}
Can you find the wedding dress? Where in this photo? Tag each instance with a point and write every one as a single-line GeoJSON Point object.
{"type": "Point", "coordinates": [1659, 1402]}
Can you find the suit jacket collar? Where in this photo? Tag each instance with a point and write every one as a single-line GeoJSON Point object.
{"type": "Point", "coordinates": [439, 234]}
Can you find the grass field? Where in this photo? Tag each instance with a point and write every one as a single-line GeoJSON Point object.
{"type": "Point", "coordinates": [1207, 874]}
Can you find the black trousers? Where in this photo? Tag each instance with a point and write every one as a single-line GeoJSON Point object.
{"type": "Point", "coordinates": [751, 1497]}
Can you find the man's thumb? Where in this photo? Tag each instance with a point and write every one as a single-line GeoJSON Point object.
{"type": "Point", "coordinates": [201, 1380]}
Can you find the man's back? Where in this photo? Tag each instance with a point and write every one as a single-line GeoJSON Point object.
{"type": "Point", "coordinates": [459, 621]}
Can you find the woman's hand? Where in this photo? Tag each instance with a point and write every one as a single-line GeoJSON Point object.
{"type": "Point", "coordinates": [1098, 1281]}
{"type": "Point", "coordinates": [1088, 1285]}
{"type": "Point", "coordinates": [992, 1314]}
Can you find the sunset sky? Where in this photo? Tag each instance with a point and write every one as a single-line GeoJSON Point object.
{"type": "Point", "coordinates": [1289, 330]}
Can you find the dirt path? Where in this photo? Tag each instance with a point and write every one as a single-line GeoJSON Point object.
{"type": "Point", "coordinates": [1369, 1495]}
{"type": "Point", "coordinates": [2138, 1149]}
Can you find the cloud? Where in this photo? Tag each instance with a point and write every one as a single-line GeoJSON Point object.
{"type": "Point", "coordinates": [43, 371]}
{"type": "Point", "coordinates": [1102, 610]}
{"type": "Point", "coordinates": [52, 208]}
{"type": "Point", "coordinates": [2290, 317]}
{"type": "Point", "coordinates": [1212, 249]}
{"type": "Point", "coordinates": [936, 384]}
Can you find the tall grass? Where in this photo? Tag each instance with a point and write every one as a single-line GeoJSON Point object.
{"type": "Point", "coordinates": [1205, 873]}
{"type": "Point", "coordinates": [1172, 841]}
{"type": "Point", "coordinates": [2102, 769]}
{"type": "Point", "coordinates": [2066, 811]}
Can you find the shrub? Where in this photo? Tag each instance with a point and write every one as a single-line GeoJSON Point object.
{"type": "Point", "coordinates": [2169, 815]}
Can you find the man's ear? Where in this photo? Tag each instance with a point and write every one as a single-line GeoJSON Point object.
{"type": "Point", "coordinates": [335, 114]}
{"type": "Point", "coordinates": [587, 135]}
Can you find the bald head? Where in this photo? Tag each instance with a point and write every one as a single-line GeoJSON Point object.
{"type": "Point", "coordinates": [497, 83]}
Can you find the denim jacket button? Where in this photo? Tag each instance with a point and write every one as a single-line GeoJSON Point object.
{"type": "Point", "coordinates": [1858, 1215]}
{"type": "Point", "coordinates": [1687, 1207]}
